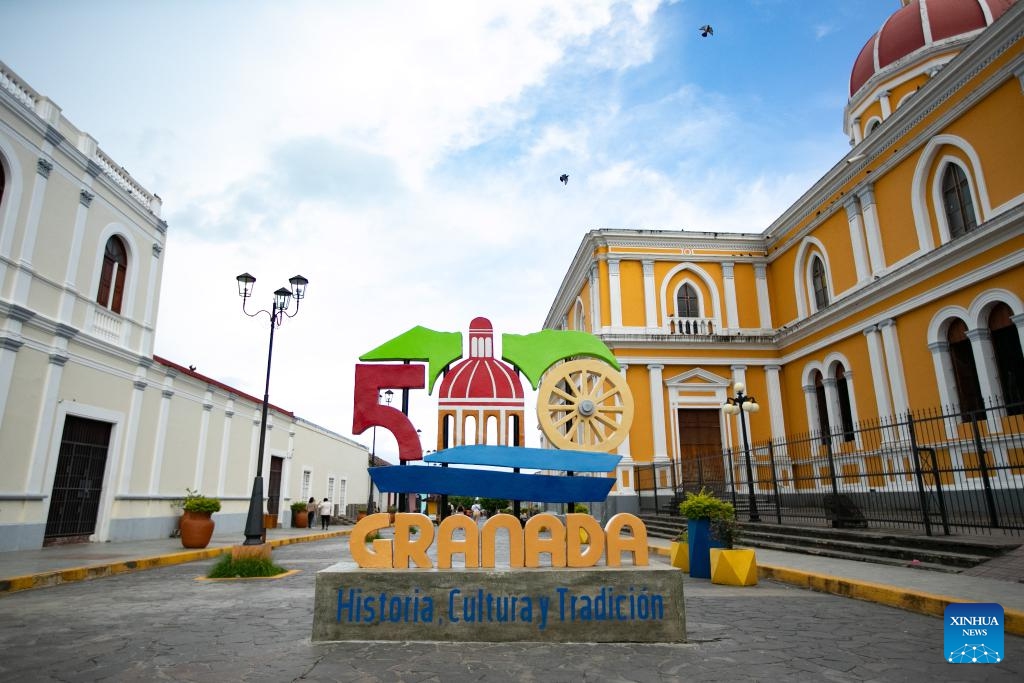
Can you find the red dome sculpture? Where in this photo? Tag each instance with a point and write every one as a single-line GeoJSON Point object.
{"type": "Point", "coordinates": [922, 24]}
{"type": "Point", "coordinates": [481, 379]}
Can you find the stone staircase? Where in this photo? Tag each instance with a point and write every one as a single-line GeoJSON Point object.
{"type": "Point", "coordinates": [891, 547]}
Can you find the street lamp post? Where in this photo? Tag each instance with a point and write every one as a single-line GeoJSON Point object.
{"type": "Point", "coordinates": [277, 313]}
{"type": "Point", "coordinates": [388, 395]}
{"type": "Point", "coordinates": [738, 405]}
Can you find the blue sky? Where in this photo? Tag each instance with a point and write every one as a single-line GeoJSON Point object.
{"type": "Point", "coordinates": [404, 156]}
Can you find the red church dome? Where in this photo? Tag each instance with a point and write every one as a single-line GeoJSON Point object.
{"type": "Point", "coordinates": [919, 25]}
{"type": "Point", "coordinates": [481, 378]}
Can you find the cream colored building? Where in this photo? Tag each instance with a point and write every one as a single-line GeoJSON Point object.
{"type": "Point", "coordinates": [98, 436]}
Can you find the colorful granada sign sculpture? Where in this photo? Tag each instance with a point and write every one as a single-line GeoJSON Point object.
{"type": "Point", "coordinates": [409, 587]}
{"type": "Point", "coordinates": [584, 408]}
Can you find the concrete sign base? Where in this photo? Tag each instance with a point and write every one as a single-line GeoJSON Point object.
{"type": "Point", "coordinates": [599, 604]}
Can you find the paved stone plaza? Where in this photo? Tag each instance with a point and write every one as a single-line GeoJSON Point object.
{"type": "Point", "coordinates": [163, 624]}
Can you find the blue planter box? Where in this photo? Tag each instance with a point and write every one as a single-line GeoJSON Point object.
{"type": "Point", "coordinates": [701, 543]}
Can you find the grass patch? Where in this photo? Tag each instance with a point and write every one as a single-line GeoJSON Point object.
{"type": "Point", "coordinates": [244, 568]}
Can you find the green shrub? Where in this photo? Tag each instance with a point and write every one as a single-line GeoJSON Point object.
{"type": "Point", "coordinates": [244, 568]}
{"type": "Point", "coordinates": [721, 514]}
{"type": "Point", "coordinates": [200, 503]}
{"type": "Point", "coordinates": [298, 506]}
{"type": "Point", "coordinates": [705, 505]}
{"type": "Point", "coordinates": [580, 508]}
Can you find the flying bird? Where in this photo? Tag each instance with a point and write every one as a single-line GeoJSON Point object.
{"type": "Point", "coordinates": [564, 178]}
{"type": "Point", "coordinates": [706, 31]}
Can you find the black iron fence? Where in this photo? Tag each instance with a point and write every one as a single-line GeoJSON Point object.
{"type": "Point", "coordinates": [937, 471]}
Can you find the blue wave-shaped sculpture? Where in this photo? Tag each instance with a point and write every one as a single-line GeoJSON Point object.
{"type": "Point", "coordinates": [541, 488]}
{"type": "Point", "coordinates": [527, 458]}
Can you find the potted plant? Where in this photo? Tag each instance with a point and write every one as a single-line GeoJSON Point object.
{"type": "Point", "coordinates": [679, 551]}
{"type": "Point", "coordinates": [300, 517]}
{"type": "Point", "coordinates": [197, 521]}
{"type": "Point", "coordinates": [392, 510]}
{"type": "Point", "coordinates": [700, 510]}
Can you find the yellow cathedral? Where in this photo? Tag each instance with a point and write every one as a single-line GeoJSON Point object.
{"type": "Point", "coordinates": [889, 297]}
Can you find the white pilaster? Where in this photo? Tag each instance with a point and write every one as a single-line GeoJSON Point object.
{"type": "Point", "coordinates": [160, 440]}
{"type": "Point", "coordinates": [68, 295]}
{"type": "Point", "coordinates": [764, 304]}
{"type": "Point", "coordinates": [595, 300]}
{"type": "Point", "coordinates": [775, 412]}
{"type": "Point", "coordinates": [225, 445]}
{"type": "Point", "coordinates": [985, 362]}
{"type": "Point", "coordinates": [204, 430]}
{"type": "Point", "coordinates": [650, 299]}
{"type": "Point", "coordinates": [858, 135]}
{"type": "Point", "coordinates": [872, 230]}
{"type": "Point", "coordinates": [835, 419]}
{"type": "Point", "coordinates": [658, 411]}
{"type": "Point", "coordinates": [23, 274]}
{"type": "Point", "coordinates": [731, 308]}
{"type": "Point", "coordinates": [45, 425]}
{"type": "Point", "coordinates": [152, 302]}
{"type": "Point", "coordinates": [944, 375]}
{"type": "Point", "coordinates": [883, 99]}
{"type": "Point", "coordinates": [131, 436]}
{"type": "Point", "coordinates": [894, 363]}
{"type": "Point", "coordinates": [615, 292]}
{"type": "Point", "coordinates": [624, 471]}
{"type": "Point", "coordinates": [879, 378]}
{"type": "Point", "coordinates": [860, 254]}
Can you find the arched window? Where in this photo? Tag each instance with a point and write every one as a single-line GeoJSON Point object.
{"type": "Point", "coordinates": [957, 202]}
{"type": "Point", "coordinates": [115, 265]}
{"type": "Point", "coordinates": [818, 283]}
{"type": "Point", "coordinates": [1009, 358]}
{"type": "Point", "coordinates": [687, 304]}
{"type": "Point", "coordinates": [845, 410]}
{"type": "Point", "coordinates": [873, 126]}
{"type": "Point", "coordinates": [579, 318]}
{"type": "Point", "coordinates": [968, 388]}
{"type": "Point", "coordinates": [822, 403]}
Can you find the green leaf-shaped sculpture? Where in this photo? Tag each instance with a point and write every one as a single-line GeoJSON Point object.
{"type": "Point", "coordinates": [438, 349]}
{"type": "Point", "coordinates": [534, 353]}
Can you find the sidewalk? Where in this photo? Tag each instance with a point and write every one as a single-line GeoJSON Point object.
{"type": "Point", "coordinates": [916, 590]}
{"type": "Point", "coordinates": [26, 569]}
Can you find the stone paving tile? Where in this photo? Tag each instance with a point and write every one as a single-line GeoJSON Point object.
{"type": "Point", "coordinates": [162, 624]}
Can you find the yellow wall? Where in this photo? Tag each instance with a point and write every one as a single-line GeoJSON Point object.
{"type": "Point", "coordinates": [631, 286]}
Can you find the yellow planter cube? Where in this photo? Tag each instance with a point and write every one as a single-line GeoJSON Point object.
{"type": "Point", "coordinates": [679, 555]}
{"type": "Point", "coordinates": [733, 567]}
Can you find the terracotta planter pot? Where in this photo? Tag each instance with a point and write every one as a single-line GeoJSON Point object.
{"type": "Point", "coordinates": [196, 529]}
{"type": "Point", "coordinates": [300, 520]}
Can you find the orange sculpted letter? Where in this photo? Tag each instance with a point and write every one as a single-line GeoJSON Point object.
{"type": "Point", "coordinates": [408, 548]}
{"type": "Point", "coordinates": [636, 543]}
{"type": "Point", "coordinates": [380, 556]}
{"type": "Point", "coordinates": [578, 526]}
{"type": "Point", "coordinates": [515, 540]}
{"type": "Point", "coordinates": [535, 545]}
{"type": "Point", "coordinates": [448, 545]}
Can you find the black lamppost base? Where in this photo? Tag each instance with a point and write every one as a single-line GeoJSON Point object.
{"type": "Point", "coordinates": [254, 521]}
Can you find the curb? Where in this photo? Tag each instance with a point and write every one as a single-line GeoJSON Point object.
{"type": "Point", "coordinates": [95, 571]}
{"type": "Point", "coordinates": [912, 601]}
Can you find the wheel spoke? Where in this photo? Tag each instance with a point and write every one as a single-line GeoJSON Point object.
{"type": "Point", "coordinates": [568, 397]}
{"type": "Point", "coordinates": [599, 416]}
{"type": "Point", "coordinates": [561, 422]}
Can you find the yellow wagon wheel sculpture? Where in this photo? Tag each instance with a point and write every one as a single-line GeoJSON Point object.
{"type": "Point", "coordinates": [584, 405]}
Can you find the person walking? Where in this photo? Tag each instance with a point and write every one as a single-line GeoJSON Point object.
{"type": "Point", "coordinates": [477, 511]}
{"type": "Point", "coordinates": [325, 514]}
{"type": "Point", "coordinates": [311, 507]}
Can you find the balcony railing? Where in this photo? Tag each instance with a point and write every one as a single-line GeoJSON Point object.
{"type": "Point", "coordinates": [692, 327]}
